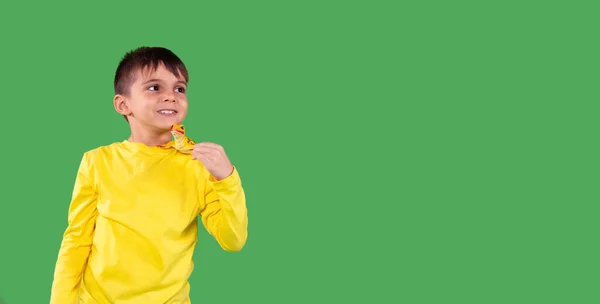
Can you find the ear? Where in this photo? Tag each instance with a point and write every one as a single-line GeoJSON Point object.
{"type": "Point", "coordinates": [120, 103]}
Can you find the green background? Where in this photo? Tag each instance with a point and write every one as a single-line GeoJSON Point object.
{"type": "Point", "coordinates": [391, 151]}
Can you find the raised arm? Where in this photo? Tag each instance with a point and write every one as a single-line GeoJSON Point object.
{"type": "Point", "coordinates": [222, 199]}
{"type": "Point", "coordinates": [77, 239]}
{"type": "Point", "coordinates": [224, 213]}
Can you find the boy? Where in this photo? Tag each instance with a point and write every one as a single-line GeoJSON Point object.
{"type": "Point", "coordinates": [132, 221]}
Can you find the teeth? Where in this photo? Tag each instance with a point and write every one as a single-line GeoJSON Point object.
{"type": "Point", "coordinates": [166, 112]}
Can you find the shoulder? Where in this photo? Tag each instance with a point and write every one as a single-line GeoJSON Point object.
{"type": "Point", "coordinates": [93, 155]}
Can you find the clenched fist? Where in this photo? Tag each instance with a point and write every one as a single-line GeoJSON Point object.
{"type": "Point", "coordinates": [213, 158]}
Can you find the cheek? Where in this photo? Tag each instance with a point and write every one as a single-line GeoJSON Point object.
{"type": "Point", "coordinates": [184, 104]}
{"type": "Point", "coordinates": [142, 107]}
{"type": "Point", "coordinates": [142, 101]}
{"type": "Point", "coordinates": [147, 101]}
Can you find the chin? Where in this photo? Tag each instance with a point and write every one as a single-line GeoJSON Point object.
{"type": "Point", "coordinates": [166, 124]}
{"type": "Point", "coordinates": [163, 126]}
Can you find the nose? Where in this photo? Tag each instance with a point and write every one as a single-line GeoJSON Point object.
{"type": "Point", "coordinates": [169, 98]}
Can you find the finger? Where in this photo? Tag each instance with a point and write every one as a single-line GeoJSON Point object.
{"type": "Point", "coordinates": [209, 144]}
{"type": "Point", "coordinates": [206, 160]}
{"type": "Point", "coordinates": [199, 157]}
{"type": "Point", "coordinates": [205, 155]}
{"type": "Point", "coordinates": [206, 150]}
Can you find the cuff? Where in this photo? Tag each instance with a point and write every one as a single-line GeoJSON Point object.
{"type": "Point", "coordinates": [231, 181]}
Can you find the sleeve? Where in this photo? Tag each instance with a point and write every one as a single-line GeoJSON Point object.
{"type": "Point", "coordinates": [77, 239]}
{"type": "Point", "coordinates": [224, 213]}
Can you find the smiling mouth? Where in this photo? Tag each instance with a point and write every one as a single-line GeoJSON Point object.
{"type": "Point", "coordinates": [167, 112]}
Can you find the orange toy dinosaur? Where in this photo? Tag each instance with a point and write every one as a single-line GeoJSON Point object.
{"type": "Point", "coordinates": [180, 141]}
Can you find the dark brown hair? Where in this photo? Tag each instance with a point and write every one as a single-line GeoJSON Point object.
{"type": "Point", "coordinates": [146, 57]}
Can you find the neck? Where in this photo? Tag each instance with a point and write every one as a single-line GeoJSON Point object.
{"type": "Point", "coordinates": [149, 138]}
{"type": "Point", "coordinates": [150, 141]}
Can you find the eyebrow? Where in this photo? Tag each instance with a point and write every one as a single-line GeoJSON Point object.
{"type": "Point", "coordinates": [158, 80]}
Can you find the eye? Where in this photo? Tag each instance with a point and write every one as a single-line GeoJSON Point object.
{"type": "Point", "coordinates": [180, 90]}
{"type": "Point", "coordinates": [153, 88]}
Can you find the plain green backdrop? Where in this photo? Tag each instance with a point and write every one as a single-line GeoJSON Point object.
{"type": "Point", "coordinates": [391, 151]}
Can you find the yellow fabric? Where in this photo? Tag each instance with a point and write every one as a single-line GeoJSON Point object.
{"type": "Point", "coordinates": [132, 225]}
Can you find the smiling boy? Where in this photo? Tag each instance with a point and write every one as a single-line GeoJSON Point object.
{"type": "Point", "coordinates": [132, 221]}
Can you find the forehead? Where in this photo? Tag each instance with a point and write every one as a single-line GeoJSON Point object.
{"type": "Point", "coordinates": [160, 72]}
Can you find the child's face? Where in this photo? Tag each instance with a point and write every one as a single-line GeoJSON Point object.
{"type": "Point", "coordinates": [157, 99]}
